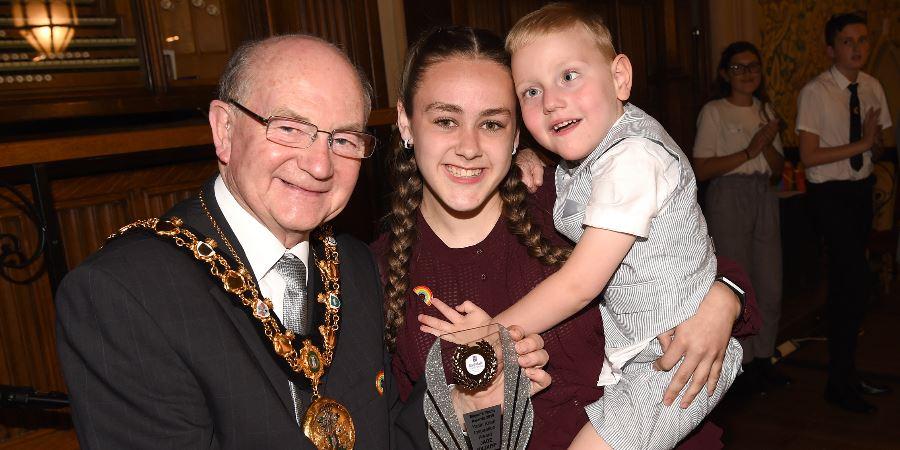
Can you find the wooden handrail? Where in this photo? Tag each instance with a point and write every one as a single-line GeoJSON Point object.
{"type": "Point", "coordinates": [155, 137]}
{"type": "Point", "coordinates": [62, 148]}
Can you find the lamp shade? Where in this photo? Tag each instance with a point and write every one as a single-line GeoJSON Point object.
{"type": "Point", "coordinates": [48, 25]}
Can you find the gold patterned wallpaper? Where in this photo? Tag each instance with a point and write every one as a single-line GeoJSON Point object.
{"type": "Point", "coordinates": [793, 47]}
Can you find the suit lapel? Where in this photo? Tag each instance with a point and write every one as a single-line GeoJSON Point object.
{"type": "Point", "coordinates": [257, 344]}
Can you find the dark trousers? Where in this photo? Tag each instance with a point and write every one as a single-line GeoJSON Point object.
{"type": "Point", "coordinates": [843, 214]}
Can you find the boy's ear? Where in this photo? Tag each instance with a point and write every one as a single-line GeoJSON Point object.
{"type": "Point", "coordinates": [221, 121]}
{"type": "Point", "coordinates": [403, 122]}
{"type": "Point", "coordinates": [829, 50]}
{"type": "Point", "coordinates": [621, 73]}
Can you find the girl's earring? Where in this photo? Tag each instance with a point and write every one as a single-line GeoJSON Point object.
{"type": "Point", "coordinates": [514, 150]}
{"type": "Point", "coordinates": [407, 144]}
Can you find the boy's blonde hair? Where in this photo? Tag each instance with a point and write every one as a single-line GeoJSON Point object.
{"type": "Point", "coordinates": [557, 17]}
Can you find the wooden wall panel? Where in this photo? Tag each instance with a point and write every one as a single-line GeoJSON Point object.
{"type": "Point", "coordinates": [83, 227]}
{"type": "Point", "coordinates": [664, 41]}
{"type": "Point", "coordinates": [27, 337]}
{"type": "Point", "coordinates": [635, 35]}
{"type": "Point", "coordinates": [683, 76]}
{"type": "Point", "coordinates": [156, 201]}
{"type": "Point", "coordinates": [88, 209]}
{"type": "Point", "coordinates": [351, 24]}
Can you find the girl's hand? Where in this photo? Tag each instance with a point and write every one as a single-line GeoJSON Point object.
{"type": "Point", "coordinates": [764, 136]}
{"type": "Point", "coordinates": [465, 316]}
{"type": "Point", "coordinates": [702, 341]}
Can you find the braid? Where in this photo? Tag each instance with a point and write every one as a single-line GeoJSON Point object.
{"type": "Point", "coordinates": [513, 193]}
{"type": "Point", "coordinates": [405, 201]}
{"type": "Point", "coordinates": [435, 45]}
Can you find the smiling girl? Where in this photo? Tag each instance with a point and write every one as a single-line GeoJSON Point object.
{"type": "Point", "coordinates": [738, 148]}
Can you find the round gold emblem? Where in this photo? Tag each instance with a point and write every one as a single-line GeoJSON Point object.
{"type": "Point", "coordinates": [328, 425]}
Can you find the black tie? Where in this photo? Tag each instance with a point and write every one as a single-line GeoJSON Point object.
{"type": "Point", "coordinates": [856, 161]}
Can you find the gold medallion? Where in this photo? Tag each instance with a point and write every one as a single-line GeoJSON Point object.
{"type": "Point", "coordinates": [328, 425]}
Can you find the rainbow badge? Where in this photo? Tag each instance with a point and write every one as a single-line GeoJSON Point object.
{"type": "Point", "coordinates": [424, 293]}
{"type": "Point", "coordinates": [379, 382]}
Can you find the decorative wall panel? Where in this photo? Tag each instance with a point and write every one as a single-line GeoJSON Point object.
{"type": "Point", "coordinates": [793, 47]}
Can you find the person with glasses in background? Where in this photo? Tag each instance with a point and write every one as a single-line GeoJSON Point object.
{"type": "Point", "coordinates": [738, 150]}
{"type": "Point", "coordinates": [270, 337]}
{"type": "Point", "coordinates": [840, 117]}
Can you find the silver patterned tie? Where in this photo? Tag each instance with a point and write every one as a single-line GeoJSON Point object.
{"type": "Point", "coordinates": [296, 308]}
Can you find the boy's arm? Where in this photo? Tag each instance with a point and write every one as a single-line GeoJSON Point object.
{"type": "Point", "coordinates": [581, 279]}
{"type": "Point", "coordinates": [812, 155]}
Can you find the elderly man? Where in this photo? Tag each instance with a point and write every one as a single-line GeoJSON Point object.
{"type": "Point", "coordinates": [168, 340]}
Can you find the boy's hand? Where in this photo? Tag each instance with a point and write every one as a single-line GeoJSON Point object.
{"type": "Point", "coordinates": [532, 167]}
{"type": "Point", "coordinates": [871, 127]}
{"type": "Point", "coordinates": [465, 316]}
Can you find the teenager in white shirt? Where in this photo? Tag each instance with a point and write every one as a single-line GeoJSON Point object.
{"type": "Point", "coordinates": [739, 150]}
{"type": "Point", "coordinates": [840, 116]}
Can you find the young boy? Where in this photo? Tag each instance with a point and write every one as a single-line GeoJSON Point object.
{"type": "Point", "coordinates": [840, 114]}
{"type": "Point", "coordinates": [627, 195]}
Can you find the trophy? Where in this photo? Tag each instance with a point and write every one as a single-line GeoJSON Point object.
{"type": "Point", "coordinates": [491, 408]}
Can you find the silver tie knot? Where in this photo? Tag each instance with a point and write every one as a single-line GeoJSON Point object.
{"type": "Point", "coordinates": [296, 309]}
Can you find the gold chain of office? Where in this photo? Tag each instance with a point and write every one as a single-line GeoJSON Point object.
{"type": "Point", "coordinates": [326, 422]}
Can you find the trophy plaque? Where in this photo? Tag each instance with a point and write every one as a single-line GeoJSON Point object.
{"type": "Point", "coordinates": [494, 408]}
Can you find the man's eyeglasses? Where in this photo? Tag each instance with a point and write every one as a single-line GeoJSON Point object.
{"type": "Point", "coordinates": [297, 133]}
{"type": "Point", "coordinates": [740, 69]}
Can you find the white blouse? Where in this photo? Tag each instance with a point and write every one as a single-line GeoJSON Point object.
{"type": "Point", "coordinates": [724, 129]}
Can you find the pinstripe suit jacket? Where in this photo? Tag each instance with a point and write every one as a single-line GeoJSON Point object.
{"type": "Point", "coordinates": [156, 355]}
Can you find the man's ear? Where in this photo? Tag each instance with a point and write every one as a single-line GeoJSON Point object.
{"type": "Point", "coordinates": [403, 123]}
{"type": "Point", "coordinates": [221, 120]}
{"type": "Point", "coordinates": [621, 73]}
{"type": "Point", "coordinates": [830, 51]}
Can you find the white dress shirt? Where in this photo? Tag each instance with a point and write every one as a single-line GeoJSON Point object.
{"type": "Point", "coordinates": [262, 248]}
{"type": "Point", "coordinates": [823, 108]}
{"type": "Point", "coordinates": [724, 128]}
